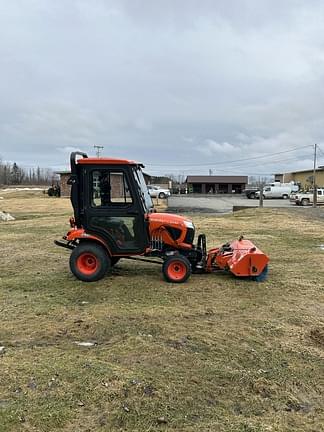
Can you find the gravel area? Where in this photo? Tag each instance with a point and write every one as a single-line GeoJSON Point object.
{"type": "Point", "coordinates": [221, 203]}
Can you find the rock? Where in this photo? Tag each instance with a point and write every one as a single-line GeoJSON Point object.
{"type": "Point", "coordinates": [32, 384]}
{"type": "Point", "coordinates": [2, 350]}
{"type": "Point", "coordinates": [6, 217]}
{"type": "Point", "coordinates": [86, 344]}
{"type": "Point", "coordinates": [162, 420]}
{"type": "Point", "coordinates": [125, 407]}
{"type": "Point", "coordinates": [149, 390]}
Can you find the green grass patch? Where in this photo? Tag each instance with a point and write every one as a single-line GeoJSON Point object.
{"type": "Point", "coordinates": [213, 354]}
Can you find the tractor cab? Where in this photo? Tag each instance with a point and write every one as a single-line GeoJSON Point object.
{"type": "Point", "coordinates": [110, 200]}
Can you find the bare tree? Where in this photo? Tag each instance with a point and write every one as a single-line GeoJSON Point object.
{"type": "Point", "coordinates": [12, 174]}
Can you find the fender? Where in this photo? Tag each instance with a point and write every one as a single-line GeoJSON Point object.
{"type": "Point", "coordinates": [80, 234]}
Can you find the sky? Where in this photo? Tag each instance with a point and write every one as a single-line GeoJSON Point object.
{"type": "Point", "coordinates": [184, 86]}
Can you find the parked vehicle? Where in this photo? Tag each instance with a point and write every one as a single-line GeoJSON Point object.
{"type": "Point", "coordinates": [307, 198]}
{"type": "Point", "coordinates": [292, 197]}
{"type": "Point", "coordinates": [158, 192]}
{"type": "Point", "coordinates": [54, 191]}
{"type": "Point", "coordinates": [278, 190]}
{"type": "Point", "coordinates": [251, 191]}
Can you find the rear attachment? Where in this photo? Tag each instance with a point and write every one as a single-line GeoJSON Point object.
{"type": "Point", "coordinates": [241, 258]}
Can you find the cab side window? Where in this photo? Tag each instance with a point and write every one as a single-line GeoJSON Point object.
{"type": "Point", "coordinates": [109, 188]}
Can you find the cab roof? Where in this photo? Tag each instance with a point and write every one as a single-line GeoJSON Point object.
{"type": "Point", "coordinates": [107, 161]}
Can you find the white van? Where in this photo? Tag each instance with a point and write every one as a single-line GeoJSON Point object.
{"type": "Point", "coordinates": [278, 190]}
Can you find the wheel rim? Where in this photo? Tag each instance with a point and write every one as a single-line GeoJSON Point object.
{"type": "Point", "coordinates": [87, 263]}
{"type": "Point", "coordinates": [177, 270]}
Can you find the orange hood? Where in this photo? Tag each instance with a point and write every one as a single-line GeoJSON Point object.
{"type": "Point", "coordinates": [167, 218]}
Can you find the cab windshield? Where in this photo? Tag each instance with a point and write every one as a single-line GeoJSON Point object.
{"type": "Point", "coordinates": [143, 191]}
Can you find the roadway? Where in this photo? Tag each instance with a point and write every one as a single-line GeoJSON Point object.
{"type": "Point", "coordinates": [220, 203]}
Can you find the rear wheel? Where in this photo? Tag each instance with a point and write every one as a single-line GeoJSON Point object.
{"type": "Point", "coordinates": [114, 260]}
{"type": "Point", "coordinates": [162, 195]}
{"type": "Point", "coordinates": [176, 269]}
{"type": "Point", "coordinates": [285, 196]}
{"type": "Point", "coordinates": [251, 195]}
{"type": "Point", "coordinates": [89, 262]}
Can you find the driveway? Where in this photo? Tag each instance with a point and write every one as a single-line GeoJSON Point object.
{"type": "Point", "coordinates": [218, 203]}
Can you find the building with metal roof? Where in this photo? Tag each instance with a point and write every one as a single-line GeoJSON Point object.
{"type": "Point", "coordinates": [304, 177]}
{"type": "Point", "coordinates": [211, 184]}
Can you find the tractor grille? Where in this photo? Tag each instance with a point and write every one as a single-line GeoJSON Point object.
{"type": "Point", "coordinates": [189, 236]}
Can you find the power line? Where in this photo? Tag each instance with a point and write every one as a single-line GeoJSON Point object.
{"type": "Point", "coordinates": [321, 151]}
{"type": "Point", "coordinates": [247, 165]}
{"type": "Point", "coordinates": [230, 161]}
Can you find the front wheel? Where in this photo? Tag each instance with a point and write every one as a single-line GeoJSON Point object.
{"type": "Point", "coordinates": [89, 262]}
{"type": "Point", "coordinates": [305, 202]}
{"type": "Point", "coordinates": [176, 269]}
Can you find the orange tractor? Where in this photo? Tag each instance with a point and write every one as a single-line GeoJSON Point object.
{"type": "Point", "coordinates": [114, 218]}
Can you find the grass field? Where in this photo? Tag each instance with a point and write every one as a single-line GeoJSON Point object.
{"type": "Point", "coordinates": [214, 354]}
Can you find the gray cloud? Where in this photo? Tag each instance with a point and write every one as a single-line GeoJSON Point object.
{"type": "Point", "coordinates": [168, 83]}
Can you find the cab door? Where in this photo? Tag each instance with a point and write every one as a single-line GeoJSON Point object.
{"type": "Point", "coordinates": [320, 196]}
{"type": "Point", "coordinates": [113, 210]}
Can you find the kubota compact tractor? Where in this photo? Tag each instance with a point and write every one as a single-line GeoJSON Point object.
{"type": "Point", "coordinates": [114, 218]}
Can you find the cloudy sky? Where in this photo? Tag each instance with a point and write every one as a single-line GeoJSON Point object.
{"type": "Point", "coordinates": [186, 86]}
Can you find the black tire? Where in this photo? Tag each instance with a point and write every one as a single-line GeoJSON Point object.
{"type": "Point", "coordinates": [285, 196]}
{"type": "Point", "coordinates": [251, 195]}
{"type": "Point", "coordinates": [114, 260]}
{"type": "Point", "coordinates": [304, 201]}
{"type": "Point", "coordinates": [176, 269]}
{"type": "Point", "coordinates": [162, 195]}
{"type": "Point", "coordinates": [89, 262]}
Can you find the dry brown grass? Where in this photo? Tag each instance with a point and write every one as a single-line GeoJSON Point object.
{"type": "Point", "coordinates": [214, 354]}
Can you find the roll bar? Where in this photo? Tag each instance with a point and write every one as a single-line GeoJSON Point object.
{"type": "Point", "coordinates": [73, 159]}
{"type": "Point", "coordinates": [73, 181]}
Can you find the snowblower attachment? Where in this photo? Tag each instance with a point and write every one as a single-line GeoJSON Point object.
{"type": "Point", "coordinates": [240, 257]}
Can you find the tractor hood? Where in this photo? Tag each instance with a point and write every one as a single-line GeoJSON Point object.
{"type": "Point", "coordinates": [172, 230]}
{"type": "Point", "coordinates": [170, 219]}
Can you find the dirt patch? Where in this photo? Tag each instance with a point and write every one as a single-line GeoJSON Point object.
{"type": "Point", "coordinates": [317, 335]}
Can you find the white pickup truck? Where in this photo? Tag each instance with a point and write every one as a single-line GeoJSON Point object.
{"type": "Point", "coordinates": [306, 198]}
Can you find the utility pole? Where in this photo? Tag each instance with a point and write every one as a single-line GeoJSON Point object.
{"type": "Point", "coordinates": [314, 178]}
{"type": "Point", "coordinates": [98, 149]}
{"type": "Point", "coordinates": [261, 193]}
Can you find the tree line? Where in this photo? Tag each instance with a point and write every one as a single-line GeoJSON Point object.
{"type": "Point", "coordinates": [12, 174]}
